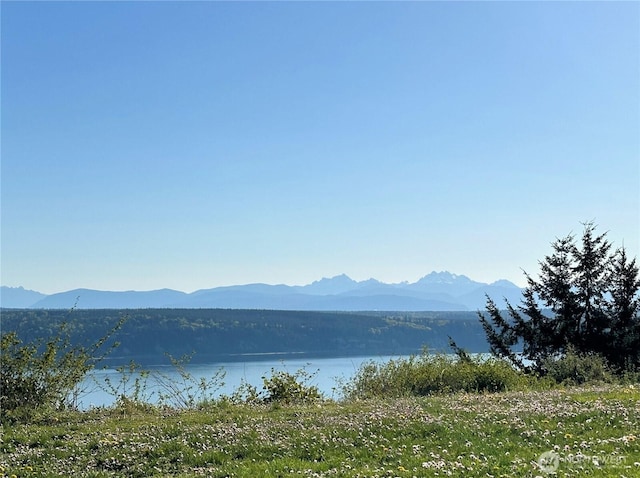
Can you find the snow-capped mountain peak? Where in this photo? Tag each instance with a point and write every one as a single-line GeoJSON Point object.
{"type": "Point", "coordinates": [444, 277]}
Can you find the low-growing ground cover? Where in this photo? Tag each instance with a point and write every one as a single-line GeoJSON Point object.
{"type": "Point", "coordinates": [574, 432]}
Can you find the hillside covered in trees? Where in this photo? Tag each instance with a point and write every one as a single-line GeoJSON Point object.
{"type": "Point", "coordinates": [147, 335]}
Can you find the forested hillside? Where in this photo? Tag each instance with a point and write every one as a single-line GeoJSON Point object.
{"type": "Point", "coordinates": [147, 335]}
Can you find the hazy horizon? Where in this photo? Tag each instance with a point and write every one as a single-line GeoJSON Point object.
{"type": "Point", "coordinates": [190, 145]}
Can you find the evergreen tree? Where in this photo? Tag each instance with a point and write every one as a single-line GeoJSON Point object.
{"type": "Point", "coordinates": [623, 312]}
{"type": "Point", "coordinates": [585, 299]}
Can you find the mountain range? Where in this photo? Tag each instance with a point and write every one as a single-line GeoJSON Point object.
{"type": "Point", "coordinates": [437, 291]}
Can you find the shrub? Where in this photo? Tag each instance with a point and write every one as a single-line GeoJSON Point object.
{"type": "Point", "coordinates": [284, 387]}
{"type": "Point", "coordinates": [433, 373]}
{"type": "Point", "coordinates": [34, 376]}
{"type": "Point", "coordinates": [37, 375]}
{"type": "Point", "coordinates": [280, 387]}
{"type": "Point", "coordinates": [574, 368]}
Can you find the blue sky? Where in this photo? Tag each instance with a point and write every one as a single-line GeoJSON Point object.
{"type": "Point", "coordinates": [191, 145]}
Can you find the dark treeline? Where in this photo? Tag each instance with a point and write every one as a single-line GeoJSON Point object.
{"type": "Point", "coordinates": [147, 335]}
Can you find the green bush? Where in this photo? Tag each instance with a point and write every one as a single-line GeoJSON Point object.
{"type": "Point", "coordinates": [280, 387]}
{"type": "Point", "coordinates": [37, 375]}
{"type": "Point", "coordinates": [575, 368]}
{"type": "Point", "coordinates": [433, 373]}
{"type": "Point", "coordinates": [284, 387]}
{"type": "Point", "coordinates": [33, 376]}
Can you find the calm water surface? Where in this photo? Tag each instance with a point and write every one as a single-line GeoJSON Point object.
{"type": "Point", "coordinates": [327, 374]}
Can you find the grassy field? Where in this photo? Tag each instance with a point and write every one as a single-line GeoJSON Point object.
{"type": "Point", "coordinates": [588, 431]}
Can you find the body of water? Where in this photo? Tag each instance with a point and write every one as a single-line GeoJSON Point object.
{"type": "Point", "coordinates": [102, 387]}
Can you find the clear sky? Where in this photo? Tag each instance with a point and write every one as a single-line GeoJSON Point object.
{"type": "Point", "coordinates": [192, 145]}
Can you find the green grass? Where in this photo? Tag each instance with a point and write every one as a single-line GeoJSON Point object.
{"type": "Point", "coordinates": [593, 430]}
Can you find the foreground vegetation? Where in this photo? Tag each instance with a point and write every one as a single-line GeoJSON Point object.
{"type": "Point", "coordinates": [429, 415]}
{"type": "Point", "coordinates": [592, 430]}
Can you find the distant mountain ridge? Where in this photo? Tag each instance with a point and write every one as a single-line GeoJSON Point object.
{"type": "Point", "coordinates": [19, 297]}
{"type": "Point", "coordinates": [437, 291]}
